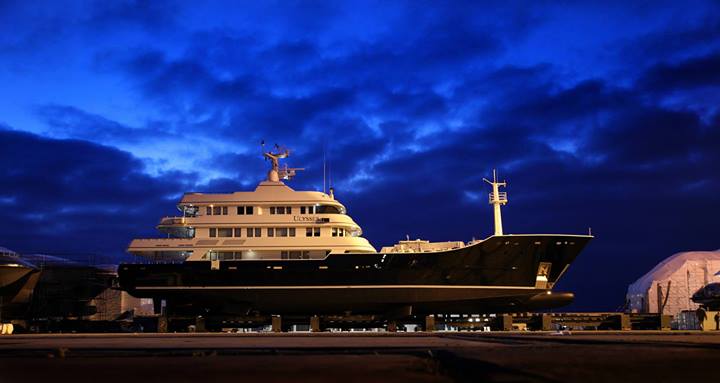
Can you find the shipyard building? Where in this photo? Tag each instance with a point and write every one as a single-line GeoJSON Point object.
{"type": "Point", "coordinates": [668, 288]}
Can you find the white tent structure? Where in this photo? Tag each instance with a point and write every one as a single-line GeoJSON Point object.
{"type": "Point", "coordinates": [667, 288]}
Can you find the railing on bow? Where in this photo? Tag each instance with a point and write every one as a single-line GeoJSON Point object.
{"type": "Point", "coordinates": [172, 220]}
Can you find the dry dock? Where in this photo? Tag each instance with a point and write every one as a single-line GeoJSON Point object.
{"type": "Point", "coordinates": [654, 356]}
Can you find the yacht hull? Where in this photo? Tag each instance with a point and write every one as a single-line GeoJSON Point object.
{"type": "Point", "coordinates": [9, 274]}
{"type": "Point", "coordinates": [500, 274]}
{"type": "Point", "coordinates": [17, 284]}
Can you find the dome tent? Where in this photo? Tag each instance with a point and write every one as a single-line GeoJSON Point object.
{"type": "Point", "coordinates": [667, 288]}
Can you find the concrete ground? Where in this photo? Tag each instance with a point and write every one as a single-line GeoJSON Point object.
{"type": "Point", "coordinates": [363, 357]}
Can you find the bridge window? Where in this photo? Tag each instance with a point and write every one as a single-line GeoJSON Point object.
{"type": "Point", "coordinates": [312, 231]}
{"type": "Point", "coordinates": [238, 232]}
{"type": "Point", "coordinates": [295, 254]}
{"type": "Point", "coordinates": [213, 232]}
{"type": "Point", "coordinates": [329, 209]}
{"type": "Point", "coordinates": [253, 232]}
{"type": "Point", "coordinates": [216, 210]}
{"type": "Point", "coordinates": [245, 210]}
{"type": "Point", "coordinates": [281, 231]}
{"type": "Point", "coordinates": [225, 232]}
{"type": "Point", "coordinates": [307, 209]}
{"type": "Point", "coordinates": [280, 210]}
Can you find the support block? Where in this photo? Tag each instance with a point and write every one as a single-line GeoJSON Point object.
{"type": "Point", "coordinates": [276, 323]}
{"type": "Point", "coordinates": [542, 322]}
{"type": "Point", "coordinates": [619, 322]}
{"type": "Point", "coordinates": [505, 322]}
{"type": "Point", "coordinates": [625, 323]}
{"type": "Point", "coordinates": [315, 323]}
{"type": "Point", "coordinates": [430, 323]}
{"type": "Point", "coordinates": [546, 322]}
{"type": "Point", "coordinates": [665, 322]}
{"type": "Point", "coordinates": [162, 324]}
{"type": "Point", "coordinates": [200, 324]}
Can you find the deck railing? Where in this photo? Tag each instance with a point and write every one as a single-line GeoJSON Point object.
{"type": "Point", "coordinates": [172, 220]}
{"type": "Point", "coordinates": [502, 197]}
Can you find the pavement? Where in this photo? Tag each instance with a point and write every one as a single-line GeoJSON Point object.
{"type": "Point", "coordinates": [602, 356]}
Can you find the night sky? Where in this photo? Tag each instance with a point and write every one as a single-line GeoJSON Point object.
{"type": "Point", "coordinates": [604, 116]}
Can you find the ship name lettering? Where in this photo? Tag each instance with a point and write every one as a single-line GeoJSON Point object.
{"type": "Point", "coordinates": [304, 218]}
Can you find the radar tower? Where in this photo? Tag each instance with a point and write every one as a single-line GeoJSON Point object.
{"type": "Point", "coordinates": [276, 172]}
{"type": "Point", "coordinates": [497, 199]}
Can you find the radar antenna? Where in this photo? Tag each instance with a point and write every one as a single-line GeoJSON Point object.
{"type": "Point", "coordinates": [497, 198]}
{"type": "Point", "coordinates": [277, 173]}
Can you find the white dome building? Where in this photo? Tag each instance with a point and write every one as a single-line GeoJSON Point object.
{"type": "Point", "coordinates": [667, 288]}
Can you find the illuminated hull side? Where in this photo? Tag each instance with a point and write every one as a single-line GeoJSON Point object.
{"type": "Point", "coordinates": [17, 283]}
{"type": "Point", "coordinates": [500, 274]}
{"type": "Point", "coordinates": [10, 274]}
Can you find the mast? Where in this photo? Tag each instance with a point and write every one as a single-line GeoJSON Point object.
{"type": "Point", "coordinates": [497, 199]}
{"type": "Point", "coordinates": [276, 172]}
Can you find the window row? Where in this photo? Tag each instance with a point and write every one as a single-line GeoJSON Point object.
{"type": "Point", "coordinates": [295, 254]}
{"type": "Point", "coordinates": [321, 209]}
{"type": "Point", "coordinates": [308, 209]}
{"type": "Point", "coordinates": [223, 210]}
{"type": "Point", "coordinates": [237, 232]}
{"type": "Point", "coordinates": [239, 255]}
{"type": "Point", "coordinates": [280, 210]}
{"type": "Point", "coordinates": [234, 232]}
{"type": "Point", "coordinates": [192, 211]}
{"type": "Point", "coordinates": [281, 231]}
{"type": "Point", "coordinates": [339, 232]}
{"type": "Point", "coordinates": [216, 210]}
{"type": "Point", "coordinates": [245, 210]}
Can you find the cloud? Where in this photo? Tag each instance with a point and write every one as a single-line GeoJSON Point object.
{"type": "Point", "coordinates": [70, 122]}
{"type": "Point", "coordinates": [695, 72]}
{"type": "Point", "coordinates": [76, 196]}
{"type": "Point", "coordinates": [122, 14]}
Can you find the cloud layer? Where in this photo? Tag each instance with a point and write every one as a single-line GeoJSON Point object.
{"type": "Point", "coordinates": [612, 122]}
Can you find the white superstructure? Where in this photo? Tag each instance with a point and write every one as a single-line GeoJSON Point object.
{"type": "Point", "coordinates": [271, 222]}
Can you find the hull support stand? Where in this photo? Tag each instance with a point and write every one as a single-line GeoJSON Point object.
{"type": "Point", "coordinates": [314, 323]}
{"type": "Point", "coordinates": [162, 324]}
{"type": "Point", "coordinates": [200, 324]}
{"type": "Point", "coordinates": [430, 323]}
{"type": "Point", "coordinates": [276, 323]}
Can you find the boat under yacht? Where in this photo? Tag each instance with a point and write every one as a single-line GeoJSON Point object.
{"type": "Point", "coordinates": [17, 281]}
{"type": "Point", "coordinates": [278, 251]}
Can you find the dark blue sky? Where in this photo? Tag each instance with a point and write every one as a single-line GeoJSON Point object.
{"type": "Point", "coordinates": [604, 116]}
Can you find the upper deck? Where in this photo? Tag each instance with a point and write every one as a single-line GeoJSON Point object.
{"type": "Point", "coordinates": [267, 192]}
